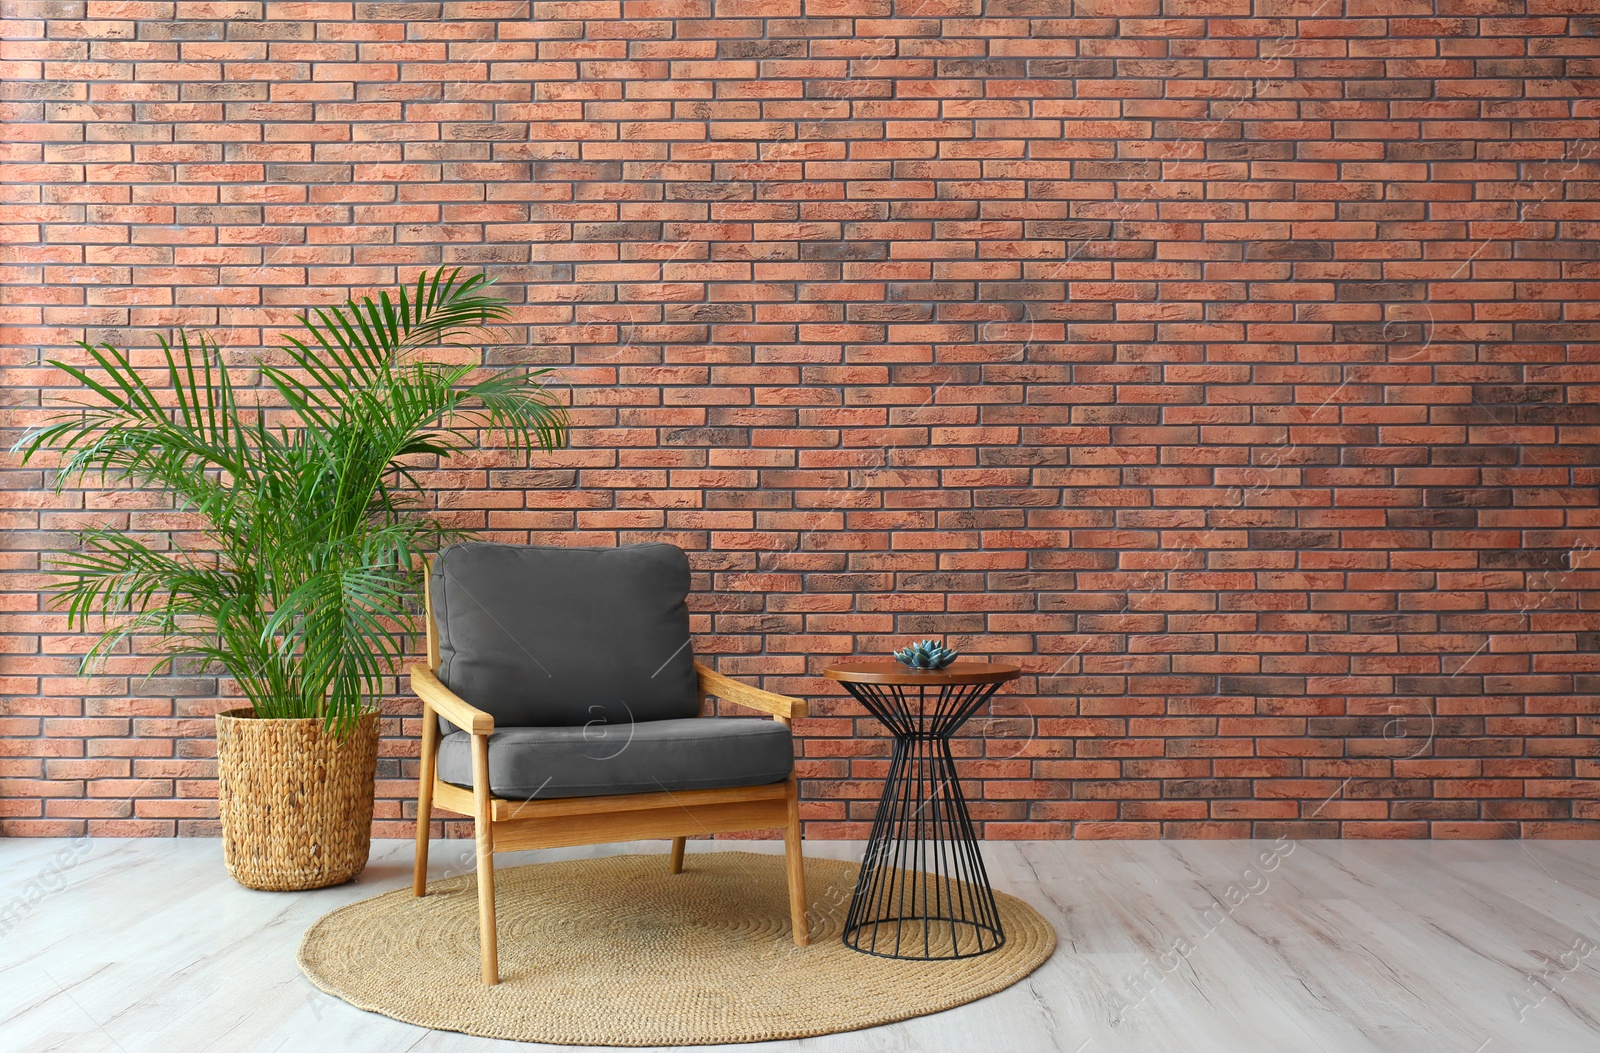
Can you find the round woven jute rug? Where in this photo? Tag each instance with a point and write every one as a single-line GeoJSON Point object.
{"type": "Point", "coordinates": [617, 951]}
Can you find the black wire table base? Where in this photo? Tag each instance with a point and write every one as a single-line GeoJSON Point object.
{"type": "Point", "coordinates": [923, 892]}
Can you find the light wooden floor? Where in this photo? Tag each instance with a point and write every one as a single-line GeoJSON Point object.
{"type": "Point", "coordinates": [126, 946]}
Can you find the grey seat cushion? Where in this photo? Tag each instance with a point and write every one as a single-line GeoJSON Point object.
{"type": "Point", "coordinates": [698, 753]}
{"type": "Point", "coordinates": [547, 637]}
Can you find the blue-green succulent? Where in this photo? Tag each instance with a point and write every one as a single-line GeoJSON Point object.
{"type": "Point", "coordinates": [926, 654]}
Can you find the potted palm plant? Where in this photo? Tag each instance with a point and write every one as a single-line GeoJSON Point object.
{"type": "Point", "coordinates": [313, 522]}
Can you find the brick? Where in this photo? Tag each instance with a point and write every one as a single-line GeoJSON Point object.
{"type": "Point", "coordinates": [1259, 430]}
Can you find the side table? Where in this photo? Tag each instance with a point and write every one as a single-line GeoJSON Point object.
{"type": "Point", "coordinates": [922, 892]}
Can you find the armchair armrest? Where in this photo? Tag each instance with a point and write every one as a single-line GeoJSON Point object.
{"type": "Point", "coordinates": [448, 704]}
{"type": "Point", "coordinates": [731, 690]}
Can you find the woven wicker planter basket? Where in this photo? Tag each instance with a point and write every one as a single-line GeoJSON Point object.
{"type": "Point", "coordinates": [296, 803]}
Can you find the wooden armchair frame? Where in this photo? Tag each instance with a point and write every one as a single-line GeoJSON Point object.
{"type": "Point", "coordinates": [513, 825]}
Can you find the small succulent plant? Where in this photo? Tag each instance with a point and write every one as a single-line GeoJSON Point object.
{"type": "Point", "coordinates": [926, 654]}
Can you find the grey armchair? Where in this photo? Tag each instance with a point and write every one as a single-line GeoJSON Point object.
{"type": "Point", "coordinates": [561, 705]}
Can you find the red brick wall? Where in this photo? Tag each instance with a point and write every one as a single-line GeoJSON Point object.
{"type": "Point", "coordinates": [1230, 365]}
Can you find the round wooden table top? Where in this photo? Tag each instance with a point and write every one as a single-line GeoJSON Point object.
{"type": "Point", "coordinates": [889, 671]}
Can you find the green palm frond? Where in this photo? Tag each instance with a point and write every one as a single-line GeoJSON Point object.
{"type": "Point", "coordinates": [314, 523]}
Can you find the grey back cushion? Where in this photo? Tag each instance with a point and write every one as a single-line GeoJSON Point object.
{"type": "Point", "coordinates": [553, 637]}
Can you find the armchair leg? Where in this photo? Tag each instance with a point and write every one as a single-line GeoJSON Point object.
{"type": "Point", "coordinates": [419, 867]}
{"type": "Point", "coordinates": [677, 854]}
{"type": "Point", "coordinates": [484, 823]}
{"type": "Point", "coordinates": [795, 864]}
{"type": "Point", "coordinates": [430, 751]}
{"type": "Point", "coordinates": [488, 950]}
